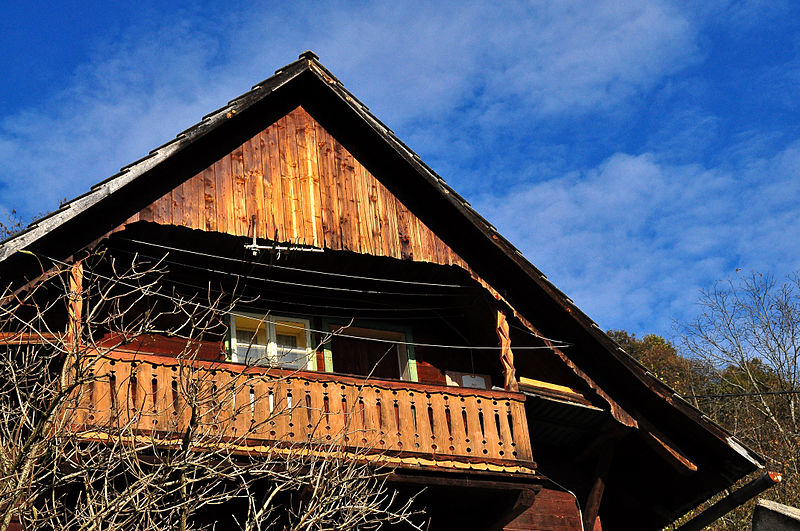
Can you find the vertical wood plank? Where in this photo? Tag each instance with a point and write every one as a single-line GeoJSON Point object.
{"type": "Point", "coordinates": [343, 200]}
{"type": "Point", "coordinates": [383, 221]}
{"type": "Point", "coordinates": [504, 413]}
{"type": "Point", "coordinates": [312, 145]}
{"type": "Point", "coordinates": [491, 435]}
{"type": "Point", "coordinates": [307, 173]}
{"type": "Point", "coordinates": [162, 209]}
{"type": "Point", "coordinates": [225, 213]}
{"type": "Point", "coordinates": [362, 208]}
{"type": "Point", "coordinates": [272, 160]}
{"type": "Point", "coordinates": [265, 186]}
{"type": "Point", "coordinates": [328, 189]}
{"type": "Point", "coordinates": [442, 424]}
{"type": "Point", "coordinates": [375, 226]}
{"type": "Point", "coordinates": [191, 204]}
{"type": "Point", "coordinates": [351, 223]}
{"type": "Point", "coordinates": [391, 233]}
{"type": "Point", "coordinates": [199, 198]}
{"type": "Point", "coordinates": [405, 231]}
{"type": "Point", "coordinates": [177, 206]}
{"type": "Point", "coordinates": [522, 443]}
{"type": "Point", "coordinates": [241, 218]}
{"type": "Point", "coordinates": [210, 198]}
{"type": "Point", "coordinates": [251, 152]}
{"type": "Point", "coordinates": [293, 211]}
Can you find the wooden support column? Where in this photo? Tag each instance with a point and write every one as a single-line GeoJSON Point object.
{"type": "Point", "coordinates": [75, 306]}
{"type": "Point", "coordinates": [591, 509]}
{"type": "Point", "coordinates": [506, 354]}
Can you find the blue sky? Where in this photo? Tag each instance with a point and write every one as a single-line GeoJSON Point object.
{"type": "Point", "coordinates": [636, 152]}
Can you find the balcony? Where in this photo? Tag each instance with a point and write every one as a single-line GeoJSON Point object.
{"type": "Point", "coordinates": [258, 410]}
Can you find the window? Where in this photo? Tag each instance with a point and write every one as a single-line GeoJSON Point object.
{"type": "Point", "coordinates": [271, 340]}
{"type": "Point", "coordinates": [371, 352]}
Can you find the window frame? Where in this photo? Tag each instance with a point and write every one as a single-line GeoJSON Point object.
{"type": "Point", "coordinates": [270, 321]}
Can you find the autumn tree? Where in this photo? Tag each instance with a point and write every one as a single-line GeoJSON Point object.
{"type": "Point", "coordinates": [661, 357]}
{"type": "Point", "coordinates": [749, 331]}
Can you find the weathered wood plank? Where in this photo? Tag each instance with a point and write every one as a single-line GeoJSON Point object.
{"type": "Point", "coordinates": [391, 235]}
{"type": "Point", "coordinates": [241, 221]}
{"type": "Point", "coordinates": [404, 231]}
{"type": "Point", "coordinates": [210, 198]}
{"type": "Point", "coordinates": [225, 211]}
{"type": "Point", "coordinates": [306, 172]}
{"type": "Point", "coordinates": [272, 159]}
{"type": "Point", "coordinates": [316, 186]}
{"type": "Point", "coordinates": [328, 190]}
{"type": "Point", "coordinates": [162, 209]}
{"type": "Point", "coordinates": [265, 186]}
{"type": "Point", "coordinates": [292, 207]}
{"type": "Point", "coordinates": [382, 221]}
{"type": "Point", "coordinates": [366, 241]}
{"type": "Point", "coordinates": [193, 192]}
{"type": "Point", "coordinates": [348, 218]}
{"type": "Point", "coordinates": [177, 207]}
{"type": "Point", "coordinates": [371, 190]}
{"type": "Point", "coordinates": [254, 194]}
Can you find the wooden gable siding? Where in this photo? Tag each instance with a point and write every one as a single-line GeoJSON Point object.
{"type": "Point", "coordinates": [302, 187]}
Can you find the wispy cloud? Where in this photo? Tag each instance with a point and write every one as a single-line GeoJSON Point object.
{"type": "Point", "coordinates": [426, 69]}
{"type": "Point", "coordinates": [633, 240]}
{"type": "Point", "coordinates": [582, 128]}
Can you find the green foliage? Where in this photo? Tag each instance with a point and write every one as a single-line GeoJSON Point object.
{"type": "Point", "coordinates": [739, 362]}
{"type": "Point", "coordinates": [661, 358]}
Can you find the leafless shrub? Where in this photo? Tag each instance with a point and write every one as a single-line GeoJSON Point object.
{"type": "Point", "coordinates": [91, 439]}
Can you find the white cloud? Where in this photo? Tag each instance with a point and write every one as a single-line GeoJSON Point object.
{"type": "Point", "coordinates": [634, 239]}
{"type": "Point", "coordinates": [470, 86]}
{"type": "Point", "coordinates": [424, 67]}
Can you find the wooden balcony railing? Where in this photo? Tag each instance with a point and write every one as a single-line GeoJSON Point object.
{"type": "Point", "coordinates": [404, 423]}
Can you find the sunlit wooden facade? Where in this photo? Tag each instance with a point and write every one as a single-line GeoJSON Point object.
{"type": "Point", "coordinates": [501, 397]}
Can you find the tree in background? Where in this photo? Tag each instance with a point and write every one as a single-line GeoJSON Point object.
{"type": "Point", "coordinates": [749, 332]}
{"type": "Point", "coordinates": [659, 356]}
{"type": "Point", "coordinates": [739, 362]}
{"type": "Point", "coordinates": [10, 223]}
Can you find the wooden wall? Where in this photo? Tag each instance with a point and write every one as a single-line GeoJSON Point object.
{"type": "Point", "coordinates": [303, 187]}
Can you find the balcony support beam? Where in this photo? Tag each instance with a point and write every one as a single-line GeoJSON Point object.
{"type": "Point", "coordinates": [75, 306]}
{"type": "Point", "coordinates": [506, 354]}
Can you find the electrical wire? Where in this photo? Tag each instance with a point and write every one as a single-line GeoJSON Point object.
{"type": "Point", "coordinates": [299, 284]}
{"type": "Point", "coordinates": [326, 306]}
{"type": "Point", "coordinates": [751, 393]}
{"type": "Point", "coordinates": [326, 333]}
{"type": "Point", "coordinates": [284, 302]}
{"type": "Point", "coordinates": [341, 275]}
{"type": "Point", "coordinates": [297, 269]}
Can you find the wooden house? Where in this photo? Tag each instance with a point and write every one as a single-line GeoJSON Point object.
{"type": "Point", "coordinates": [501, 397]}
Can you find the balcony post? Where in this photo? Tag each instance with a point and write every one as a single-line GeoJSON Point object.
{"type": "Point", "coordinates": [506, 355]}
{"type": "Point", "coordinates": [75, 306]}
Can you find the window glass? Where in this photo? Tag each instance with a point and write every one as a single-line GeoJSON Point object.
{"type": "Point", "coordinates": [270, 340]}
{"type": "Point", "coordinates": [290, 344]}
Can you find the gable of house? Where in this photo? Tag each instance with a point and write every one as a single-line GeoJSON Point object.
{"type": "Point", "coordinates": [299, 161]}
{"type": "Point", "coordinates": [294, 183]}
